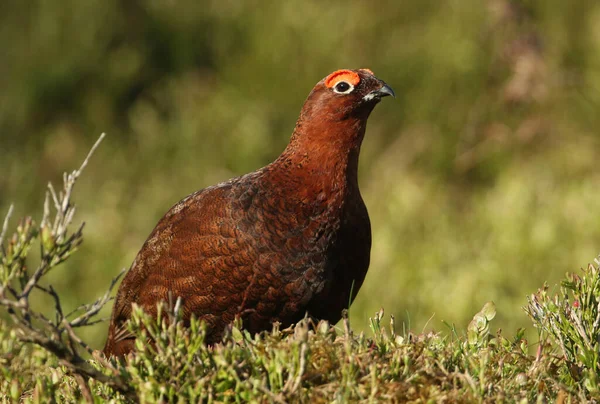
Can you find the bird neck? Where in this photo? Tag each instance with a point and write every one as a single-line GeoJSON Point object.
{"type": "Point", "coordinates": [323, 157]}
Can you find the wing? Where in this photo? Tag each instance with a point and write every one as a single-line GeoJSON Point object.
{"type": "Point", "coordinates": [228, 250]}
{"type": "Point", "coordinates": [187, 254]}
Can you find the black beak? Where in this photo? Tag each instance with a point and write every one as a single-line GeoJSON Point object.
{"type": "Point", "coordinates": [384, 91]}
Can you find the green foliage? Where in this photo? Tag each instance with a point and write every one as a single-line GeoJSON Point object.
{"type": "Point", "coordinates": [480, 181]}
{"type": "Point", "coordinates": [308, 362]}
{"type": "Point", "coordinates": [479, 328]}
{"type": "Point", "coordinates": [55, 334]}
{"type": "Point", "coordinates": [571, 320]}
{"type": "Point", "coordinates": [29, 373]}
{"type": "Point", "coordinates": [479, 178]}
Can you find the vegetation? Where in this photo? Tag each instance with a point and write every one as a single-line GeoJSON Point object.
{"type": "Point", "coordinates": [43, 358]}
{"type": "Point", "coordinates": [480, 179]}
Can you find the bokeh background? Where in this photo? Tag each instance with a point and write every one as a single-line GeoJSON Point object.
{"type": "Point", "coordinates": [481, 178]}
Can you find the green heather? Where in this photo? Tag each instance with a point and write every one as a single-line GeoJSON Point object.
{"type": "Point", "coordinates": [480, 179]}
{"type": "Point", "coordinates": [310, 362]}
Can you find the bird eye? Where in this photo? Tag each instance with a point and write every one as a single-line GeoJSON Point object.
{"type": "Point", "coordinates": [343, 87]}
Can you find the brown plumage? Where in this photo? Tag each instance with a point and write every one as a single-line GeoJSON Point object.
{"type": "Point", "coordinates": [288, 239]}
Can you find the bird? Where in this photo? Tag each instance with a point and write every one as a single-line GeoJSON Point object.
{"type": "Point", "coordinates": [288, 240]}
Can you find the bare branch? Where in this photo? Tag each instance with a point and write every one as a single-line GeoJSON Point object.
{"type": "Point", "coordinates": [91, 152]}
{"type": "Point", "coordinates": [5, 225]}
{"type": "Point", "coordinates": [46, 214]}
{"type": "Point", "coordinates": [58, 336]}
{"type": "Point", "coordinates": [35, 278]}
{"type": "Point", "coordinates": [94, 308]}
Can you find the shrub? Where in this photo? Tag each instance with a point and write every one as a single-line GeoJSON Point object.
{"type": "Point", "coordinates": [43, 358]}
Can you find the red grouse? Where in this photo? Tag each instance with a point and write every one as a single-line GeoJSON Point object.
{"type": "Point", "coordinates": [288, 239]}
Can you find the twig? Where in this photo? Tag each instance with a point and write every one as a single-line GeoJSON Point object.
{"type": "Point", "coordinates": [275, 397]}
{"type": "Point", "coordinates": [85, 389]}
{"type": "Point", "coordinates": [58, 336]}
{"type": "Point", "coordinates": [302, 367]}
{"type": "Point", "coordinates": [71, 178]}
{"type": "Point", "coordinates": [94, 308]}
{"type": "Point", "coordinates": [89, 155]}
{"type": "Point", "coordinates": [580, 329]}
{"type": "Point", "coordinates": [5, 225]}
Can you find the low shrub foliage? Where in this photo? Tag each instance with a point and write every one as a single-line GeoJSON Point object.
{"type": "Point", "coordinates": [42, 359]}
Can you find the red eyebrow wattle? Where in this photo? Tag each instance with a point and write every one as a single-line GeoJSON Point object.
{"type": "Point", "coordinates": [346, 75]}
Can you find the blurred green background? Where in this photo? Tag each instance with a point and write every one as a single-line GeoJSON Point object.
{"type": "Point", "coordinates": [480, 178]}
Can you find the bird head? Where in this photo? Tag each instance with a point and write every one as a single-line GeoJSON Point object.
{"type": "Point", "coordinates": [334, 116]}
{"type": "Point", "coordinates": [346, 94]}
